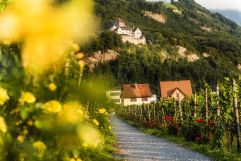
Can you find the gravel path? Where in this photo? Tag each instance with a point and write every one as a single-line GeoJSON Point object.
{"type": "Point", "coordinates": [134, 145]}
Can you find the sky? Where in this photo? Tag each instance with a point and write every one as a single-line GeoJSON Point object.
{"type": "Point", "coordinates": [221, 4]}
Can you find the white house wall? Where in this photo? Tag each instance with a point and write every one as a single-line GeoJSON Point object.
{"type": "Point", "coordinates": [127, 101]}
{"type": "Point", "coordinates": [153, 98]}
{"type": "Point", "coordinates": [176, 93]}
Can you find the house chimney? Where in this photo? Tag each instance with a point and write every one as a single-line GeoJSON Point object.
{"type": "Point", "coordinates": [135, 85]}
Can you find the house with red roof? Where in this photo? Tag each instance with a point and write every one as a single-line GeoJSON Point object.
{"type": "Point", "coordinates": [175, 89]}
{"type": "Point", "coordinates": [136, 94]}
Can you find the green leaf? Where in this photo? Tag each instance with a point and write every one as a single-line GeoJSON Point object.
{"type": "Point", "coordinates": [24, 114]}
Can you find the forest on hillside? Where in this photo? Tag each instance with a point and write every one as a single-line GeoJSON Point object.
{"type": "Point", "coordinates": [145, 64]}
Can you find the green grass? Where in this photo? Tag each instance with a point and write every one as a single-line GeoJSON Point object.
{"type": "Point", "coordinates": [170, 6]}
{"type": "Point", "coordinates": [110, 149]}
{"type": "Point", "coordinates": [218, 154]}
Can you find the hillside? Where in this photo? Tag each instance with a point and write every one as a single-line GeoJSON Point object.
{"type": "Point", "coordinates": [231, 14]}
{"type": "Point", "coordinates": [211, 41]}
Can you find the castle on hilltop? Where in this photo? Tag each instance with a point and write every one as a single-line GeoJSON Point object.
{"type": "Point", "coordinates": [132, 35]}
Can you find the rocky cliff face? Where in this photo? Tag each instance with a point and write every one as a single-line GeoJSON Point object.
{"type": "Point", "coordinates": [101, 58]}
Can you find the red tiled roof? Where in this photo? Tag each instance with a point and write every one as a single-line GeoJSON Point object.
{"type": "Point", "coordinates": [168, 87]}
{"type": "Point", "coordinates": [136, 91]}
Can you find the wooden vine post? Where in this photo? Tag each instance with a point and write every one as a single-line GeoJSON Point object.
{"type": "Point", "coordinates": [180, 109]}
{"type": "Point", "coordinates": [195, 106]}
{"type": "Point", "coordinates": [149, 113]}
{"type": "Point", "coordinates": [163, 116]}
{"type": "Point", "coordinates": [129, 111]}
{"type": "Point", "coordinates": [217, 104]}
{"type": "Point", "coordinates": [140, 111]}
{"type": "Point", "coordinates": [206, 104]}
{"type": "Point", "coordinates": [134, 111]}
{"type": "Point", "coordinates": [174, 104]}
{"type": "Point", "coordinates": [236, 111]}
{"type": "Point", "coordinates": [158, 115]}
{"type": "Point", "coordinates": [141, 114]}
{"type": "Point", "coordinates": [144, 114]}
{"type": "Point", "coordinates": [154, 113]}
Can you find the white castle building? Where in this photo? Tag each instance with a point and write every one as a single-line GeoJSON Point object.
{"type": "Point", "coordinates": [131, 35]}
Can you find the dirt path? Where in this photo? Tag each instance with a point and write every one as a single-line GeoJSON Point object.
{"type": "Point", "coordinates": [136, 146]}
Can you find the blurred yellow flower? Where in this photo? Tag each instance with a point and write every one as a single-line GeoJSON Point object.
{"type": "Point", "coordinates": [3, 96]}
{"type": "Point", "coordinates": [52, 107]}
{"type": "Point", "coordinates": [75, 47]}
{"type": "Point", "coordinates": [30, 123]}
{"type": "Point", "coordinates": [95, 122]}
{"type": "Point", "coordinates": [52, 87]}
{"type": "Point", "coordinates": [110, 127]}
{"type": "Point", "coordinates": [81, 112]}
{"type": "Point", "coordinates": [79, 55]}
{"type": "Point", "coordinates": [81, 64]}
{"type": "Point", "coordinates": [45, 29]}
{"type": "Point", "coordinates": [89, 135]}
{"type": "Point", "coordinates": [20, 138]}
{"type": "Point", "coordinates": [27, 97]}
{"type": "Point", "coordinates": [85, 145]}
{"type": "Point", "coordinates": [71, 113]}
{"type": "Point", "coordinates": [101, 110]}
{"type": "Point", "coordinates": [39, 147]}
{"type": "Point", "coordinates": [75, 159]}
{"type": "Point", "coordinates": [3, 126]}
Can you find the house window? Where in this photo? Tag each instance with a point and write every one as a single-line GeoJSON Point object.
{"type": "Point", "coordinates": [133, 99]}
{"type": "Point", "coordinates": [114, 93]}
{"type": "Point", "coordinates": [116, 100]}
{"type": "Point", "coordinates": [145, 99]}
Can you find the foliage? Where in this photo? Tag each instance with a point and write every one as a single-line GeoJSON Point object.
{"type": "Point", "coordinates": [147, 64]}
{"type": "Point", "coordinates": [200, 126]}
{"type": "Point", "coordinates": [44, 119]}
{"type": "Point", "coordinates": [46, 113]}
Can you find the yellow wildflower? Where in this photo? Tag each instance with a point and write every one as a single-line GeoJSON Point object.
{"type": "Point", "coordinates": [20, 138]}
{"type": "Point", "coordinates": [52, 87]}
{"type": "Point", "coordinates": [30, 123]}
{"type": "Point", "coordinates": [110, 127]}
{"type": "Point", "coordinates": [52, 107]}
{"type": "Point", "coordinates": [80, 112]}
{"type": "Point", "coordinates": [39, 147]}
{"type": "Point", "coordinates": [81, 64]}
{"type": "Point", "coordinates": [3, 126]}
{"type": "Point", "coordinates": [85, 145]}
{"type": "Point", "coordinates": [102, 110]}
{"type": "Point", "coordinates": [89, 135]}
{"type": "Point", "coordinates": [79, 55]}
{"type": "Point", "coordinates": [73, 159]}
{"type": "Point", "coordinates": [44, 28]}
{"type": "Point", "coordinates": [27, 97]}
{"type": "Point", "coordinates": [95, 122]}
{"type": "Point", "coordinates": [71, 113]}
{"type": "Point", "coordinates": [75, 47]}
{"type": "Point", "coordinates": [3, 96]}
